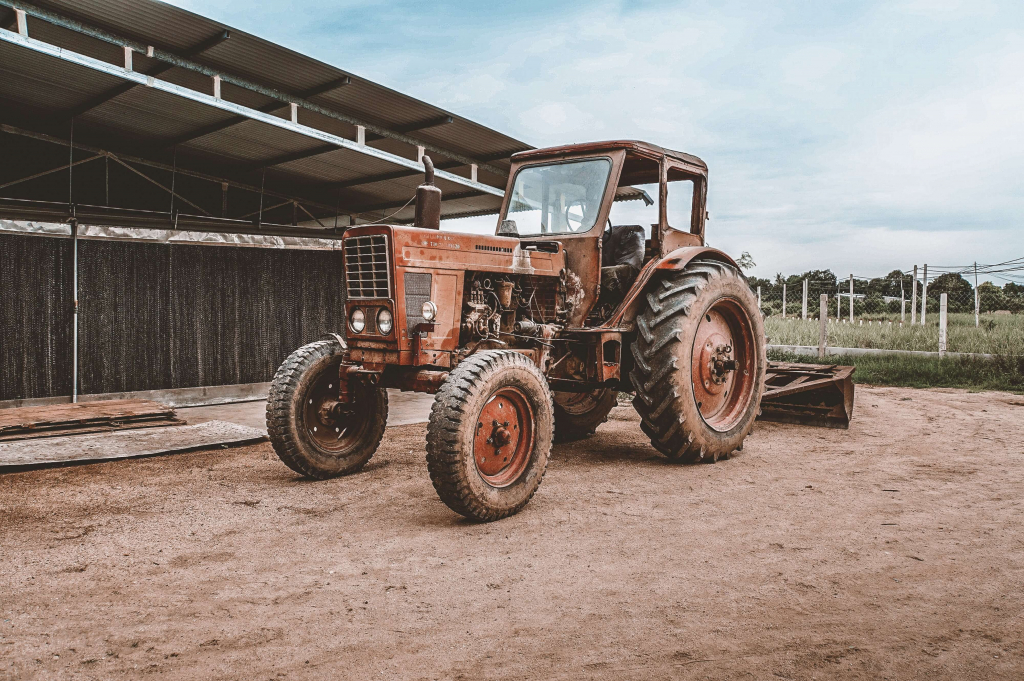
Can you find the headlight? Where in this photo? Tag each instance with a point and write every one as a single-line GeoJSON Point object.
{"type": "Point", "coordinates": [384, 321]}
{"type": "Point", "coordinates": [429, 311]}
{"type": "Point", "coordinates": [358, 320]}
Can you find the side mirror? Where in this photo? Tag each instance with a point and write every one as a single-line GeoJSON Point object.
{"type": "Point", "coordinates": [508, 228]}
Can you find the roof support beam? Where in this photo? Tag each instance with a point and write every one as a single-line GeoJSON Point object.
{"type": "Point", "coordinates": [102, 98]}
{"type": "Point", "coordinates": [283, 97]}
{"type": "Point", "coordinates": [266, 108]}
{"type": "Point", "coordinates": [231, 107]}
{"type": "Point", "coordinates": [10, 129]}
{"type": "Point", "coordinates": [422, 125]}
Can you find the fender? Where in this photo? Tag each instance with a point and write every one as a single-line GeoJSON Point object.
{"type": "Point", "coordinates": [678, 259]}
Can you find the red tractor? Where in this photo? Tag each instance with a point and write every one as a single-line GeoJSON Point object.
{"type": "Point", "coordinates": [529, 335]}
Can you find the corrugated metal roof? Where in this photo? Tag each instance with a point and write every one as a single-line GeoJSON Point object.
{"type": "Point", "coordinates": [38, 91]}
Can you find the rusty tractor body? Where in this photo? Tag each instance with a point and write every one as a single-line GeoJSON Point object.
{"type": "Point", "coordinates": [528, 335]}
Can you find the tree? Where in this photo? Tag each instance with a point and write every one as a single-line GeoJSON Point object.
{"type": "Point", "coordinates": [746, 262]}
{"type": "Point", "coordinates": [958, 290]}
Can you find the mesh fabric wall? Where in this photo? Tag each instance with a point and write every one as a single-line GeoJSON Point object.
{"type": "Point", "coordinates": [157, 316]}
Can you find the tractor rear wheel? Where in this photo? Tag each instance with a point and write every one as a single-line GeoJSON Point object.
{"type": "Point", "coordinates": [489, 435]}
{"type": "Point", "coordinates": [699, 362]}
{"type": "Point", "coordinates": [579, 414]}
{"type": "Point", "coordinates": [311, 432]}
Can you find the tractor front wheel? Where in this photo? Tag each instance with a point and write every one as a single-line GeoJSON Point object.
{"type": "Point", "coordinates": [699, 362]}
{"type": "Point", "coordinates": [314, 434]}
{"type": "Point", "coordinates": [489, 435]}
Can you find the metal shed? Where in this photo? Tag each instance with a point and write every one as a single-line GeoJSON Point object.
{"type": "Point", "coordinates": [208, 173]}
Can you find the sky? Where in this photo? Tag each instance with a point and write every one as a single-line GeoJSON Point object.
{"type": "Point", "coordinates": [858, 137]}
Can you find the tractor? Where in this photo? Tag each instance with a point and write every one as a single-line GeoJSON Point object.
{"type": "Point", "coordinates": [527, 336]}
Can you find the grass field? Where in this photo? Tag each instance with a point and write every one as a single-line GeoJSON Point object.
{"type": "Point", "coordinates": [997, 335]}
{"type": "Point", "coordinates": [910, 371]}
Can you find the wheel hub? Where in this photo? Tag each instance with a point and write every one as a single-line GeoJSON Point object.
{"type": "Point", "coordinates": [721, 371]}
{"type": "Point", "coordinates": [504, 437]}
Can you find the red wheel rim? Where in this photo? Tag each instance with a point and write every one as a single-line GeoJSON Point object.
{"type": "Point", "coordinates": [723, 369]}
{"type": "Point", "coordinates": [332, 427]}
{"type": "Point", "coordinates": [504, 436]}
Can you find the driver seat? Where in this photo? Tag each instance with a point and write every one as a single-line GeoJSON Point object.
{"type": "Point", "coordinates": [622, 256]}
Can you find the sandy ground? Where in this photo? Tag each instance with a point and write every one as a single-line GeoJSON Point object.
{"type": "Point", "coordinates": [894, 550]}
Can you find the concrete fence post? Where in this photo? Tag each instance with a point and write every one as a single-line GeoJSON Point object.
{"type": "Point", "coordinates": [924, 293]}
{"type": "Point", "coordinates": [758, 297]}
{"type": "Point", "coordinates": [942, 325]}
{"type": "Point", "coordinates": [977, 299]}
{"type": "Point", "coordinates": [783, 301]}
{"type": "Point", "coordinates": [823, 326]}
{"type": "Point", "coordinates": [913, 300]}
{"type": "Point", "coordinates": [804, 305]}
{"type": "Point", "coordinates": [903, 303]}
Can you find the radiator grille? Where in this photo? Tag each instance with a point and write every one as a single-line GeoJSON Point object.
{"type": "Point", "coordinates": [366, 266]}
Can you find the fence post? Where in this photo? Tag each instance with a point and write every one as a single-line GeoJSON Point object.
{"type": "Point", "coordinates": [758, 297]}
{"type": "Point", "coordinates": [851, 299]}
{"type": "Point", "coordinates": [913, 300]}
{"type": "Point", "coordinates": [783, 301]}
{"type": "Point", "coordinates": [903, 303]}
{"type": "Point", "coordinates": [924, 294]}
{"type": "Point", "coordinates": [804, 306]}
{"type": "Point", "coordinates": [823, 325]}
{"type": "Point", "coordinates": [977, 299]}
{"type": "Point", "coordinates": [942, 325]}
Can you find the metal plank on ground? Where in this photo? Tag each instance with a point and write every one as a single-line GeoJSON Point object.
{"type": "Point", "coordinates": [125, 443]}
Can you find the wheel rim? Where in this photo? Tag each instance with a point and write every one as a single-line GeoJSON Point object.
{"type": "Point", "coordinates": [723, 364]}
{"type": "Point", "coordinates": [504, 437]}
{"type": "Point", "coordinates": [333, 427]}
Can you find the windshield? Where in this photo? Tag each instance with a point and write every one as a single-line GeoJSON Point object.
{"type": "Point", "coordinates": [560, 198]}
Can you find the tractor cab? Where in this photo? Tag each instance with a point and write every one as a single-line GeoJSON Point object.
{"type": "Point", "coordinates": [614, 206]}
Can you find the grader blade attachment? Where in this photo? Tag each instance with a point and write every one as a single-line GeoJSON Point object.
{"type": "Point", "coordinates": [811, 394]}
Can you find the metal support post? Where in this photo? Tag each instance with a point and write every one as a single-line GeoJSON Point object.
{"type": "Point", "coordinates": [74, 313]}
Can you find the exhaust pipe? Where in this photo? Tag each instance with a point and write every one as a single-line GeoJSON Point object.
{"type": "Point", "coordinates": [428, 199]}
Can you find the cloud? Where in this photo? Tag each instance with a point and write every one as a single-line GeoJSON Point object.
{"type": "Point", "coordinates": [859, 137]}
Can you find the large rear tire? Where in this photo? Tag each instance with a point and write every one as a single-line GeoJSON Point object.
{"type": "Point", "coordinates": [310, 439]}
{"type": "Point", "coordinates": [489, 435]}
{"type": "Point", "coordinates": [699, 362]}
{"type": "Point", "coordinates": [579, 414]}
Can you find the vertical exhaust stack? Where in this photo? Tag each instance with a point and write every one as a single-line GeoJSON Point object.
{"type": "Point", "coordinates": [428, 199]}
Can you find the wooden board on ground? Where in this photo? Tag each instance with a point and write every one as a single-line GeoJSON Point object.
{"type": "Point", "coordinates": [83, 417]}
{"type": "Point", "coordinates": [123, 444]}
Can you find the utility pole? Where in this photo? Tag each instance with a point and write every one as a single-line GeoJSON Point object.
{"type": "Point", "coordinates": [924, 294]}
{"type": "Point", "coordinates": [977, 299]}
{"type": "Point", "coordinates": [913, 300]}
{"type": "Point", "coordinates": [851, 299]}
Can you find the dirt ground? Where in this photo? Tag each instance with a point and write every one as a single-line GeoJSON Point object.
{"type": "Point", "coordinates": [892, 550]}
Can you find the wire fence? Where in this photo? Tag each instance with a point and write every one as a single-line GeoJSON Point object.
{"type": "Point", "coordinates": [900, 311]}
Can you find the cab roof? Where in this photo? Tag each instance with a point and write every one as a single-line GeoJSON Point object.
{"type": "Point", "coordinates": [635, 146]}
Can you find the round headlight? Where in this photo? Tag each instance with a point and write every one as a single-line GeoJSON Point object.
{"type": "Point", "coordinates": [358, 320]}
{"type": "Point", "coordinates": [429, 311]}
{"type": "Point", "coordinates": [384, 321]}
